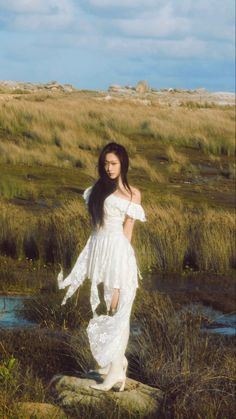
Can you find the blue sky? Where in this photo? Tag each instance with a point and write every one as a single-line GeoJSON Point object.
{"type": "Point", "coordinates": [94, 43]}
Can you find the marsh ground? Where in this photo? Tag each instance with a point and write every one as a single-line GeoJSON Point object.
{"type": "Point", "coordinates": [182, 159]}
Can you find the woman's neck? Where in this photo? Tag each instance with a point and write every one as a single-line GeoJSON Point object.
{"type": "Point", "coordinates": [120, 186]}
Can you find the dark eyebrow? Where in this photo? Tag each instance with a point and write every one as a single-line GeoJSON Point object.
{"type": "Point", "coordinates": [112, 161]}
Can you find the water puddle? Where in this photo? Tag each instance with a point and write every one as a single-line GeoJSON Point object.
{"type": "Point", "coordinates": [10, 312]}
{"type": "Point", "coordinates": [214, 320]}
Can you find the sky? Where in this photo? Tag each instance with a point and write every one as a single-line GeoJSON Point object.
{"type": "Point", "coordinates": [92, 44]}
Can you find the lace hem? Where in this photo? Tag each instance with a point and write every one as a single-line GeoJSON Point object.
{"type": "Point", "coordinates": [77, 275]}
{"type": "Point", "coordinates": [86, 194]}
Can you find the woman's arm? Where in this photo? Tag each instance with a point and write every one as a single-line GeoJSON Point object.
{"type": "Point", "coordinates": [129, 222]}
{"type": "Point", "coordinates": [128, 227]}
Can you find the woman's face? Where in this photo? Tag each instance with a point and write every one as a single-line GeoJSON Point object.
{"type": "Point", "coordinates": [112, 165]}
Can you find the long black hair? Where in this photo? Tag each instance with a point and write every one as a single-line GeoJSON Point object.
{"type": "Point", "coordinates": [104, 186]}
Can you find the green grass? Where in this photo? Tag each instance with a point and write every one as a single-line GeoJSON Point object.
{"type": "Point", "coordinates": [32, 182]}
{"type": "Point", "coordinates": [173, 237]}
{"type": "Point", "coordinates": [182, 160]}
{"type": "Point", "coordinates": [194, 370]}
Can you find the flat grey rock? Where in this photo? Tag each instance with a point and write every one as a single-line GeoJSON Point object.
{"type": "Point", "coordinates": [76, 391]}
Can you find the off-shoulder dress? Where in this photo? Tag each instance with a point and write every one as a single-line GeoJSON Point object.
{"type": "Point", "coordinates": [108, 257]}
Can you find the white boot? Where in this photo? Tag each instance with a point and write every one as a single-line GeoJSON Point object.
{"type": "Point", "coordinates": [105, 370]}
{"type": "Point", "coordinates": [117, 374]}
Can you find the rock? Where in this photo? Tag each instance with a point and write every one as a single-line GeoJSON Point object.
{"type": "Point", "coordinates": [114, 88]}
{"type": "Point", "coordinates": [137, 398]}
{"type": "Point", "coordinates": [52, 82]}
{"type": "Point", "coordinates": [201, 90]}
{"type": "Point", "coordinates": [29, 410]}
{"type": "Point", "coordinates": [142, 87]}
{"type": "Point", "coordinates": [68, 87]}
{"type": "Point", "coordinates": [52, 86]}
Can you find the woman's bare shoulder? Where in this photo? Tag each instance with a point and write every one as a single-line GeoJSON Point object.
{"type": "Point", "coordinates": [136, 198]}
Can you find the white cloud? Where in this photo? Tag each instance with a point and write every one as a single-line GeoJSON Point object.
{"type": "Point", "coordinates": [154, 28]}
{"type": "Point", "coordinates": [187, 48]}
{"type": "Point", "coordinates": [40, 22]}
{"type": "Point", "coordinates": [162, 23]}
{"type": "Point", "coordinates": [124, 3]}
{"type": "Point", "coordinates": [37, 15]}
{"type": "Point", "coordinates": [164, 19]}
{"type": "Point", "coordinates": [34, 6]}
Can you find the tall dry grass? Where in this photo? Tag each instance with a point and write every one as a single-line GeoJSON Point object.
{"type": "Point", "coordinates": [68, 131]}
{"type": "Point", "coordinates": [177, 237]}
{"type": "Point", "coordinates": [49, 238]}
{"type": "Point", "coordinates": [194, 370]}
{"type": "Point", "coordinates": [174, 237]}
{"type": "Point", "coordinates": [38, 356]}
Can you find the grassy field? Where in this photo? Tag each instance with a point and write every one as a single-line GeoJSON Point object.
{"type": "Point", "coordinates": [182, 160]}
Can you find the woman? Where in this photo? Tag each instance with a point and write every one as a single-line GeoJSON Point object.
{"type": "Point", "coordinates": [108, 257]}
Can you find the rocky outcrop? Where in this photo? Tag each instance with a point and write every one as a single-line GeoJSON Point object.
{"type": "Point", "coordinates": [141, 88]}
{"type": "Point", "coordinates": [142, 94]}
{"type": "Point", "coordinates": [75, 392]}
{"type": "Point", "coordinates": [20, 87]}
{"type": "Point", "coordinates": [122, 90]}
{"type": "Point", "coordinates": [114, 88]}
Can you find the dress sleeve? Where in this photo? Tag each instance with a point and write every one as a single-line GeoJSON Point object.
{"type": "Point", "coordinates": [136, 212]}
{"type": "Point", "coordinates": [86, 194]}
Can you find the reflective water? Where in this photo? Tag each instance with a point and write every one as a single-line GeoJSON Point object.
{"type": "Point", "coordinates": [10, 314]}
{"type": "Point", "coordinates": [216, 321]}
{"type": "Point", "coordinates": [198, 293]}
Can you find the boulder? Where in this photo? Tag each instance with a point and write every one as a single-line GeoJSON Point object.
{"type": "Point", "coordinates": [68, 87]}
{"type": "Point", "coordinates": [142, 87]}
{"type": "Point", "coordinates": [114, 88]}
{"type": "Point", "coordinates": [75, 392]}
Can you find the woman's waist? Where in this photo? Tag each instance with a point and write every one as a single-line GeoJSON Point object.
{"type": "Point", "coordinates": [110, 227]}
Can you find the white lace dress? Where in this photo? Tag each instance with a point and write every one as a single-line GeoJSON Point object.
{"type": "Point", "coordinates": [108, 257]}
